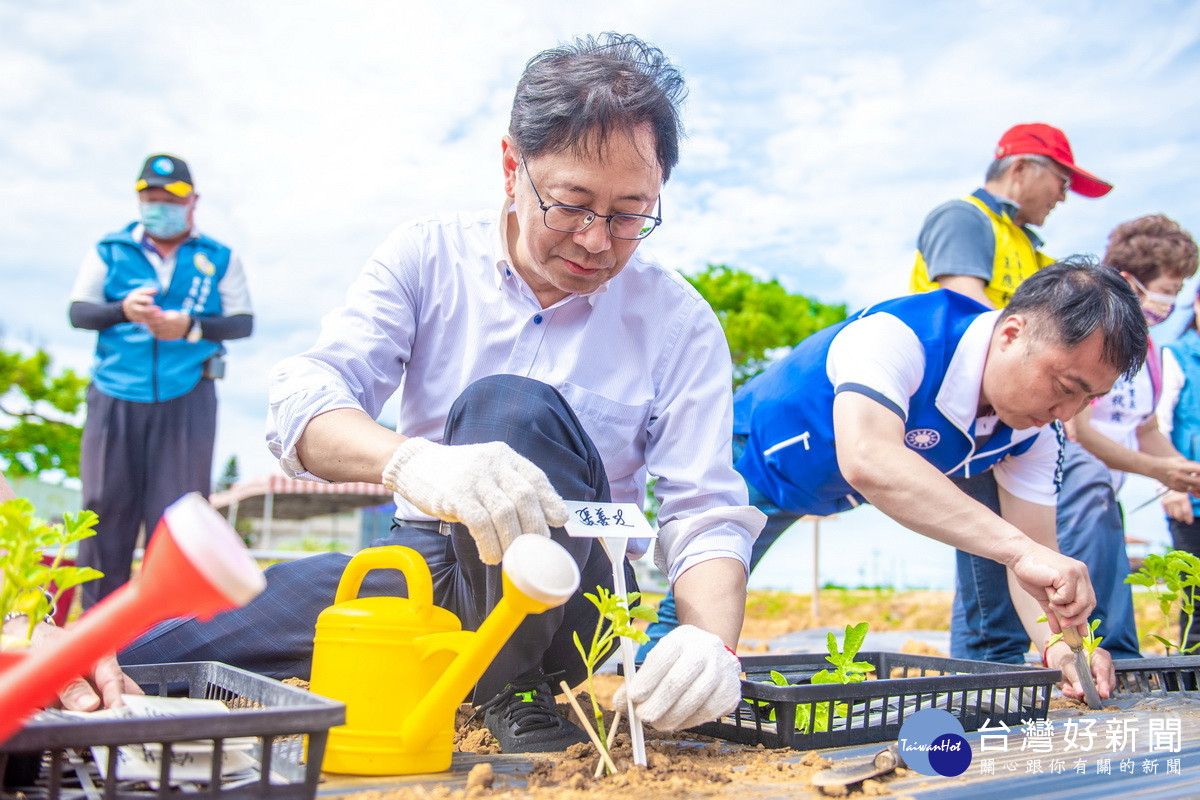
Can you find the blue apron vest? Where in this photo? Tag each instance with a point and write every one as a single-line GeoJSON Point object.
{"type": "Point", "coordinates": [787, 412]}
{"type": "Point", "coordinates": [130, 363]}
{"type": "Point", "coordinates": [1185, 428]}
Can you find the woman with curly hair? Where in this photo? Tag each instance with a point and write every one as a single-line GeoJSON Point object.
{"type": "Point", "coordinates": [1119, 433]}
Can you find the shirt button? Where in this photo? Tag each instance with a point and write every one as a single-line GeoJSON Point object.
{"type": "Point", "coordinates": [537, 319]}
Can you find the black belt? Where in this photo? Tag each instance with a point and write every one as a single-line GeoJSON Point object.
{"type": "Point", "coordinates": [424, 524]}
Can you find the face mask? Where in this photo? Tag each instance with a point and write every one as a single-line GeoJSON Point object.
{"type": "Point", "coordinates": [1157, 307]}
{"type": "Point", "coordinates": [164, 220]}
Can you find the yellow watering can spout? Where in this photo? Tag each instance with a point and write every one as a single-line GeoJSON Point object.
{"type": "Point", "coordinates": [538, 574]}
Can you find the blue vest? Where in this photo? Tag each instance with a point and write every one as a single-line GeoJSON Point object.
{"type": "Point", "coordinates": [130, 363]}
{"type": "Point", "coordinates": [787, 412]}
{"type": "Point", "coordinates": [1185, 428]}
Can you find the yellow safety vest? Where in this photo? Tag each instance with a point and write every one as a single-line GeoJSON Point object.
{"type": "Point", "coordinates": [1015, 259]}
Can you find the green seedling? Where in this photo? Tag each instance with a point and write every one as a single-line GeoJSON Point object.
{"type": "Point", "coordinates": [24, 579]}
{"type": "Point", "coordinates": [1173, 579]}
{"type": "Point", "coordinates": [846, 670]}
{"type": "Point", "coordinates": [617, 613]}
{"type": "Point", "coordinates": [1090, 640]}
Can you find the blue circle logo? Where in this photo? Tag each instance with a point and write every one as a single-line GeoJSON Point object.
{"type": "Point", "coordinates": [932, 742]}
{"type": "Point", "coordinates": [163, 166]}
{"type": "Point", "coordinates": [922, 438]}
{"type": "Point", "coordinates": [950, 755]}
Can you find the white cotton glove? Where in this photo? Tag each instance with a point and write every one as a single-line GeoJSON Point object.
{"type": "Point", "coordinates": [497, 493]}
{"type": "Point", "coordinates": [690, 677]}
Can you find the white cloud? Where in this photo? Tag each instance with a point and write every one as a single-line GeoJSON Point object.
{"type": "Point", "coordinates": [821, 133]}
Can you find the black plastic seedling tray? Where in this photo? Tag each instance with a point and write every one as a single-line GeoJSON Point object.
{"type": "Point", "coordinates": [1158, 675]}
{"type": "Point", "coordinates": [975, 692]}
{"type": "Point", "coordinates": [50, 757]}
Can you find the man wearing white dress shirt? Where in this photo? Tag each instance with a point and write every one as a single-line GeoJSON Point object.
{"type": "Point", "coordinates": [540, 355]}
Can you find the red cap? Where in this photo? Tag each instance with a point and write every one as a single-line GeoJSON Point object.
{"type": "Point", "coordinates": [1040, 139]}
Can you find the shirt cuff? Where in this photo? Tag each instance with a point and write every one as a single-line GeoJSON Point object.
{"type": "Point", "coordinates": [289, 418]}
{"type": "Point", "coordinates": [690, 560]}
{"type": "Point", "coordinates": [717, 533]}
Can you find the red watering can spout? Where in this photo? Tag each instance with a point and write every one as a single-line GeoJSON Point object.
{"type": "Point", "coordinates": [195, 565]}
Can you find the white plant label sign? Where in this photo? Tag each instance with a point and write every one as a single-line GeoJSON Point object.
{"type": "Point", "coordinates": [594, 520]}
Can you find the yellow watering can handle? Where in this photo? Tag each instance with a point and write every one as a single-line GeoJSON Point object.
{"type": "Point", "coordinates": [405, 559]}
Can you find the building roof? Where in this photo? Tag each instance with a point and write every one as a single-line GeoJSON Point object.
{"type": "Point", "coordinates": [282, 497]}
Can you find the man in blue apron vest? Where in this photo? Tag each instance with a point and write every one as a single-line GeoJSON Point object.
{"type": "Point", "coordinates": [162, 298]}
{"type": "Point", "coordinates": [984, 246]}
{"type": "Point", "coordinates": [891, 404]}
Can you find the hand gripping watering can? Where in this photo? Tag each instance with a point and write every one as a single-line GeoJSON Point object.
{"type": "Point", "coordinates": [402, 665]}
{"type": "Point", "coordinates": [195, 566]}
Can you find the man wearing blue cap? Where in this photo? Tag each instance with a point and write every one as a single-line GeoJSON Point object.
{"type": "Point", "coordinates": [162, 298]}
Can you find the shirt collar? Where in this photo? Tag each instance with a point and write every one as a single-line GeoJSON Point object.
{"type": "Point", "coordinates": [502, 259]}
{"type": "Point", "coordinates": [504, 263]}
{"type": "Point", "coordinates": [958, 396]}
{"type": "Point", "coordinates": [1002, 206]}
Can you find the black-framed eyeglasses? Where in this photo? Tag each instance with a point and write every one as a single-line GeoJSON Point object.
{"type": "Point", "coordinates": [573, 219]}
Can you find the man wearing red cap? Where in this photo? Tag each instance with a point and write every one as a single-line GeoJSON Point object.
{"type": "Point", "coordinates": [982, 245]}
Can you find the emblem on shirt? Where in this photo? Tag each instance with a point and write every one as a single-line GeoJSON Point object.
{"type": "Point", "coordinates": [922, 438]}
{"type": "Point", "coordinates": [203, 264]}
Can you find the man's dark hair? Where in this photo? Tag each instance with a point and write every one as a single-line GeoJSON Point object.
{"type": "Point", "coordinates": [1078, 295]}
{"type": "Point", "coordinates": [575, 96]}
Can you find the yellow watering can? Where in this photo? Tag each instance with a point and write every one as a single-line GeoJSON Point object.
{"type": "Point", "coordinates": [403, 666]}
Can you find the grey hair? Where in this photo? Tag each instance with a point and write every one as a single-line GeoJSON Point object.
{"type": "Point", "coordinates": [1078, 295]}
{"type": "Point", "coordinates": [575, 96]}
{"type": "Point", "coordinates": [1000, 166]}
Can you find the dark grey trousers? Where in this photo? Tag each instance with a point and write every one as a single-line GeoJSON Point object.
{"type": "Point", "coordinates": [273, 635]}
{"type": "Point", "coordinates": [135, 460]}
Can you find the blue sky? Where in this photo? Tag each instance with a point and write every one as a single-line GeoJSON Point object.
{"type": "Point", "coordinates": [820, 134]}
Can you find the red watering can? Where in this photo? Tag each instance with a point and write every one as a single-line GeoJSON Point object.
{"type": "Point", "coordinates": [195, 566]}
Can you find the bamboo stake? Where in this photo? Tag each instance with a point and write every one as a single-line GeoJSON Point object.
{"type": "Point", "coordinates": [612, 735]}
{"type": "Point", "coordinates": [587, 727]}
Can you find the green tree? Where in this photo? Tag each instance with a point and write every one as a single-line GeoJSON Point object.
{"type": "Point", "coordinates": [38, 408]}
{"type": "Point", "coordinates": [230, 475]}
{"type": "Point", "coordinates": [760, 317]}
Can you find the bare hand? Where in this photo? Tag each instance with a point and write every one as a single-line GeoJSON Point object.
{"type": "Point", "coordinates": [1061, 658]}
{"type": "Point", "coordinates": [1060, 584]}
{"type": "Point", "coordinates": [1180, 474]}
{"type": "Point", "coordinates": [138, 306]}
{"type": "Point", "coordinates": [1178, 506]}
{"type": "Point", "coordinates": [104, 685]}
{"type": "Point", "coordinates": [170, 325]}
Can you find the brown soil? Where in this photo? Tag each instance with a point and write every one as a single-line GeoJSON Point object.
{"type": "Point", "coordinates": [470, 735]}
{"type": "Point", "coordinates": [689, 765]}
{"type": "Point", "coordinates": [1057, 703]}
{"type": "Point", "coordinates": [675, 768]}
{"type": "Point", "coordinates": [772, 613]}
